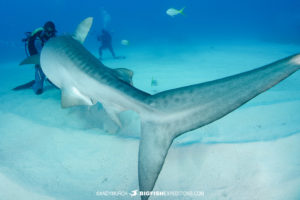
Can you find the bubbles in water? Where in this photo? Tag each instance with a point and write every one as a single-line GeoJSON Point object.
{"type": "Point", "coordinates": [106, 18]}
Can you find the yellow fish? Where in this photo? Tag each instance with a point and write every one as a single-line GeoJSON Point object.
{"type": "Point", "coordinates": [172, 11]}
{"type": "Point", "coordinates": [125, 42]}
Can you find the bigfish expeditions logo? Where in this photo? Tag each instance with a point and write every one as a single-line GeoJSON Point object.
{"type": "Point", "coordinates": [137, 193]}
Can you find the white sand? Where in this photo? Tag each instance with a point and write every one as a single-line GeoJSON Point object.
{"type": "Point", "coordinates": [253, 153]}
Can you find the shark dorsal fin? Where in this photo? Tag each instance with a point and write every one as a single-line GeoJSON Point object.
{"type": "Point", "coordinates": [72, 97]}
{"type": "Point", "coordinates": [83, 29]}
{"type": "Point", "coordinates": [35, 59]}
{"type": "Point", "coordinates": [124, 74]}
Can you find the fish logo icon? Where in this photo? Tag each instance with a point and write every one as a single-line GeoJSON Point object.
{"type": "Point", "coordinates": [134, 193]}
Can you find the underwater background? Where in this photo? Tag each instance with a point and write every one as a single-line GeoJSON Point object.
{"type": "Point", "coordinates": [146, 21]}
{"type": "Point", "coordinates": [47, 152]}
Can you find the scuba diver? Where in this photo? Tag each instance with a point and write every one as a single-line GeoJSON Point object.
{"type": "Point", "coordinates": [34, 44]}
{"type": "Point", "coordinates": [105, 39]}
{"type": "Point", "coordinates": [106, 43]}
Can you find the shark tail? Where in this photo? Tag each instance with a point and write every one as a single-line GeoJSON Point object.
{"type": "Point", "coordinates": [188, 108]}
{"type": "Point", "coordinates": [153, 149]}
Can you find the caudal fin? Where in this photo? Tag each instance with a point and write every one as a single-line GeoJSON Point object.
{"type": "Point", "coordinates": [184, 109]}
{"type": "Point", "coordinates": [154, 146]}
{"type": "Point", "coordinates": [181, 11]}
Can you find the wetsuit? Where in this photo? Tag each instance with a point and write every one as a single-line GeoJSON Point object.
{"type": "Point", "coordinates": [105, 39]}
{"type": "Point", "coordinates": [35, 44]}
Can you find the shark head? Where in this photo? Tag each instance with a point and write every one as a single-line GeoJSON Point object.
{"type": "Point", "coordinates": [296, 60]}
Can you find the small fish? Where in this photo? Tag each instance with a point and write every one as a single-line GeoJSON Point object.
{"type": "Point", "coordinates": [172, 11]}
{"type": "Point", "coordinates": [125, 42]}
{"type": "Point", "coordinates": [154, 82]}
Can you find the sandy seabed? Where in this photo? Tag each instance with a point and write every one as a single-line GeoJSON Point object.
{"type": "Point", "coordinates": [47, 152]}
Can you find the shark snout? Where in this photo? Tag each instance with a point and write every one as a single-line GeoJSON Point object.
{"type": "Point", "coordinates": [296, 59]}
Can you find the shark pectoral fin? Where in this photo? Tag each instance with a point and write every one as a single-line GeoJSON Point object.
{"type": "Point", "coordinates": [83, 29]}
{"type": "Point", "coordinates": [113, 112]}
{"type": "Point", "coordinates": [154, 145]}
{"type": "Point", "coordinates": [73, 97]}
{"type": "Point", "coordinates": [124, 74]}
{"type": "Point", "coordinates": [35, 59]}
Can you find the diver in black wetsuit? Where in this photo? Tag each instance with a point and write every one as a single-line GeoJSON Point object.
{"type": "Point", "coordinates": [105, 39]}
{"type": "Point", "coordinates": [34, 43]}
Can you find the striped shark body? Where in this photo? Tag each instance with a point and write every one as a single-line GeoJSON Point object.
{"type": "Point", "coordinates": [84, 80]}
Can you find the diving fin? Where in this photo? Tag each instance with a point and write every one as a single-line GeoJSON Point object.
{"type": "Point", "coordinates": [24, 86]}
{"type": "Point", "coordinates": [35, 59]}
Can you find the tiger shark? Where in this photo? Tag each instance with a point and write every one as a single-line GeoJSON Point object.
{"type": "Point", "coordinates": [84, 80]}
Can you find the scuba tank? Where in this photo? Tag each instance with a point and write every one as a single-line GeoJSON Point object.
{"type": "Point", "coordinates": [29, 35]}
{"type": "Point", "coordinates": [25, 40]}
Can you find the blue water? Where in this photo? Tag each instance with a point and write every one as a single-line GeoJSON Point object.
{"type": "Point", "coordinates": [143, 21]}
